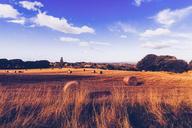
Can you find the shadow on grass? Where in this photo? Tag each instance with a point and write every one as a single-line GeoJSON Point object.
{"type": "Point", "coordinates": [137, 115]}
{"type": "Point", "coordinates": [182, 118]}
{"type": "Point", "coordinates": [141, 117]}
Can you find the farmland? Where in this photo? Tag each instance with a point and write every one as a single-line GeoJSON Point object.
{"type": "Point", "coordinates": [35, 98]}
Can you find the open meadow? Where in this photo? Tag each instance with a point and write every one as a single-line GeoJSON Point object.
{"type": "Point", "coordinates": [37, 99]}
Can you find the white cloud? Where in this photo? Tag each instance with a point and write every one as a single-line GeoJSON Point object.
{"type": "Point", "coordinates": [7, 11]}
{"type": "Point", "coordinates": [41, 19]}
{"type": "Point", "coordinates": [61, 25]}
{"type": "Point", "coordinates": [122, 27]}
{"type": "Point", "coordinates": [100, 43]}
{"type": "Point", "coordinates": [139, 2]}
{"type": "Point", "coordinates": [69, 39]}
{"type": "Point", "coordinates": [165, 38]}
{"type": "Point", "coordinates": [31, 5]}
{"type": "Point", "coordinates": [123, 36]}
{"type": "Point", "coordinates": [83, 43]}
{"type": "Point", "coordinates": [168, 17]}
{"type": "Point", "coordinates": [11, 15]}
{"type": "Point", "coordinates": [21, 21]}
{"type": "Point", "coordinates": [163, 33]}
{"type": "Point", "coordinates": [156, 32]}
{"type": "Point", "coordinates": [159, 44]}
{"type": "Point", "coordinates": [93, 43]}
{"type": "Point", "coordinates": [183, 35]}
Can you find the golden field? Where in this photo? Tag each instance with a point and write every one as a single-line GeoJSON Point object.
{"type": "Point", "coordinates": [35, 99]}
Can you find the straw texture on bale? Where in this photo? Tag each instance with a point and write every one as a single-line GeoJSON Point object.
{"type": "Point", "coordinates": [131, 80]}
{"type": "Point", "coordinates": [71, 86]}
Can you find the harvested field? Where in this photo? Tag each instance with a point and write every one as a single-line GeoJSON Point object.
{"type": "Point", "coordinates": [35, 98]}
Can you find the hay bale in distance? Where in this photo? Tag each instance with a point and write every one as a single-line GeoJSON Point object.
{"type": "Point", "coordinates": [20, 71]}
{"type": "Point", "coordinates": [69, 72]}
{"type": "Point", "coordinates": [132, 81]}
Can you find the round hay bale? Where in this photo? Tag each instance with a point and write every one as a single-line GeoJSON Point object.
{"type": "Point", "coordinates": [101, 72]}
{"type": "Point", "coordinates": [71, 86]}
{"type": "Point", "coordinates": [131, 80]}
{"type": "Point", "coordinates": [20, 72]}
{"type": "Point", "coordinates": [69, 72]}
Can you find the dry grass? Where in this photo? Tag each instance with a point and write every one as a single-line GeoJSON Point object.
{"type": "Point", "coordinates": [164, 101]}
{"type": "Point", "coordinates": [42, 108]}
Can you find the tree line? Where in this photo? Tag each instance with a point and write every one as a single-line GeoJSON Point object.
{"type": "Point", "coordinates": [168, 63]}
{"type": "Point", "coordinates": [20, 64]}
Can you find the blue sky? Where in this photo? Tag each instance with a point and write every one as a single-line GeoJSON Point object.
{"type": "Point", "coordinates": [95, 30]}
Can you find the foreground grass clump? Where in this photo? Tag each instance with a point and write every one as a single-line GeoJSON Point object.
{"type": "Point", "coordinates": [51, 108]}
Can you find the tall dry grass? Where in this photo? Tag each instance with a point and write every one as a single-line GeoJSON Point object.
{"type": "Point", "coordinates": [49, 108]}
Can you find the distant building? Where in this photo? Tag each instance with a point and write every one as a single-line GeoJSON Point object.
{"type": "Point", "coordinates": [61, 62]}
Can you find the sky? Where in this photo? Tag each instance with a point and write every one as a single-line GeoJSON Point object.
{"type": "Point", "coordinates": [95, 30]}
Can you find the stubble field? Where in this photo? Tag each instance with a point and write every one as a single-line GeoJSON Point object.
{"type": "Point", "coordinates": [35, 98]}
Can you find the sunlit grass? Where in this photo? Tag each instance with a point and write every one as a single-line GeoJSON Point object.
{"type": "Point", "coordinates": [165, 100]}
{"type": "Point", "coordinates": [28, 107]}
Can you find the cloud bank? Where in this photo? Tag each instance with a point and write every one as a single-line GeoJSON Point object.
{"type": "Point", "coordinates": [156, 32]}
{"type": "Point", "coordinates": [83, 43]}
{"type": "Point", "coordinates": [60, 24]}
{"type": "Point", "coordinates": [42, 19]}
{"type": "Point", "coordinates": [169, 17]}
{"type": "Point", "coordinates": [7, 11]}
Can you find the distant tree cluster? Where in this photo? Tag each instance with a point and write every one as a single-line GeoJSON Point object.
{"type": "Point", "coordinates": [105, 66]}
{"type": "Point", "coordinates": [20, 64]}
{"type": "Point", "coordinates": [153, 62]}
{"type": "Point", "coordinates": [190, 65]}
